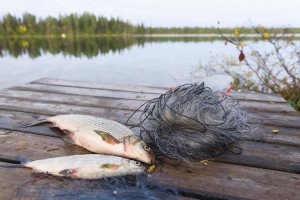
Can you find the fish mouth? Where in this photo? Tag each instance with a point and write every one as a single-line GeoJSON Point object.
{"type": "Point", "coordinates": [150, 159]}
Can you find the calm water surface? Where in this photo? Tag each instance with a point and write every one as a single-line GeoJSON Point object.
{"type": "Point", "coordinates": [157, 63]}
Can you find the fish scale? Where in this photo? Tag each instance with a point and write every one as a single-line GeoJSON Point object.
{"type": "Point", "coordinates": [74, 159]}
{"type": "Point", "coordinates": [101, 136]}
{"type": "Point", "coordinates": [85, 122]}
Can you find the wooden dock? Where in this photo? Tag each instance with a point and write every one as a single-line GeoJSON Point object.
{"type": "Point", "coordinates": [268, 168]}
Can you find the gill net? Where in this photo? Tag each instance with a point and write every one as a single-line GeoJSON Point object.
{"type": "Point", "coordinates": [192, 123]}
{"type": "Point", "coordinates": [122, 187]}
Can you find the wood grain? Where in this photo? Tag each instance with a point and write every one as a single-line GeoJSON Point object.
{"type": "Point", "coordinates": [38, 107]}
{"type": "Point", "coordinates": [148, 89]}
{"type": "Point", "coordinates": [126, 104]}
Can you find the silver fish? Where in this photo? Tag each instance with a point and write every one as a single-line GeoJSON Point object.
{"type": "Point", "coordinates": [103, 136]}
{"type": "Point", "coordinates": [88, 166]}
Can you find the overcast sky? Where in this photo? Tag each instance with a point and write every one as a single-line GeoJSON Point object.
{"type": "Point", "coordinates": [169, 12]}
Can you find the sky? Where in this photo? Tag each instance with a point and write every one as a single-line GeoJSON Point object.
{"type": "Point", "coordinates": [169, 13]}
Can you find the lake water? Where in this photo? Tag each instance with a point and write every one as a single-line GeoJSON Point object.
{"type": "Point", "coordinates": [156, 62]}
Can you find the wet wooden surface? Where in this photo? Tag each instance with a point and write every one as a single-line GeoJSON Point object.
{"type": "Point", "coordinates": [268, 168]}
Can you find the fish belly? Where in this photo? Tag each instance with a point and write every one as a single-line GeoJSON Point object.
{"type": "Point", "coordinates": [91, 141]}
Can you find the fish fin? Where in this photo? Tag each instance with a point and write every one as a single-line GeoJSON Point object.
{"type": "Point", "coordinates": [106, 137]}
{"type": "Point", "coordinates": [68, 172]}
{"type": "Point", "coordinates": [67, 131]}
{"type": "Point", "coordinates": [130, 139]}
{"type": "Point", "coordinates": [109, 166]}
{"type": "Point", "coordinates": [67, 139]}
{"type": "Point", "coordinates": [53, 127]}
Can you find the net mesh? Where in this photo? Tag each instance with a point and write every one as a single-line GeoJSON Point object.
{"type": "Point", "coordinates": [122, 187]}
{"type": "Point", "coordinates": [192, 123]}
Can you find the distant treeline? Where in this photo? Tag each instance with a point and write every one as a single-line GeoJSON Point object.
{"type": "Point", "coordinates": [89, 24]}
{"type": "Point", "coordinates": [70, 25]}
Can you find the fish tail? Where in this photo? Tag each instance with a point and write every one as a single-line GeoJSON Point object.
{"type": "Point", "coordinates": [35, 123]}
{"type": "Point", "coordinates": [13, 161]}
{"type": "Point", "coordinates": [9, 165]}
{"type": "Point", "coordinates": [22, 160]}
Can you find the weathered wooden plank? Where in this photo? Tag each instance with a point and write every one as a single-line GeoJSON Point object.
{"type": "Point", "coordinates": [122, 115]}
{"type": "Point", "coordinates": [247, 182]}
{"type": "Point", "coordinates": [148, 89]}
{"type": "Point", "coordinates": [86, 92]}
{"type": "Point", "coordinates": [35, 146]}
{"type": "Point", "coordinates": [98, 102]}
{"type": "Point", "coordinates": [56, 109]}
{"type": "Point", "coordinates": [274, 138]}
{"type": "Point", "coordinates": [142, 96]}
{"type": "Point", "coordinates": [262, 129]}
{"type": "Point", "coordinates": [95, 85]}
{"type": "Point", "coordinates": [219, 178]}
{"type": "Point", "coordinates": [268, 156]}
{"type": "Point", "coordinates": [275, 108]}
{"type": "Point", "coordinates": [10, 119]}
{"type": "Point", "coordinates": [283, 120]}
{"type": "Point", "coordinates": [258, 97]}
{"type": "Point", "coordinates": [127, 104]}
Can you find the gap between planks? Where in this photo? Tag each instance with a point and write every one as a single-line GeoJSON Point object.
{"type": "Point", "coordinates": [121, 94]}
{"type": "Point", "coordinates": [144, 89]}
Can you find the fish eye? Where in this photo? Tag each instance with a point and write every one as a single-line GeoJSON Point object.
{"type": "Point", "coordinates": [147, 148]}
{"type": "Point", "coordinates": [136, 163]}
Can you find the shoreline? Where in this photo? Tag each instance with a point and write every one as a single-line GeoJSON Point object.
{"type": "Point", "coordinates": [212, 35]}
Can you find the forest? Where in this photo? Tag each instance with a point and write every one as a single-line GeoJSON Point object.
{"type": "Point", "coordinates": [74, 25]}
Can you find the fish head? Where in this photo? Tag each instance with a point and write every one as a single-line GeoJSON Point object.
{"type": "Point", "coordinates": [139, 150]}
{"type": "Point", "coordinates": [123, 167]}
{"type": "Point", "coordinates": [136, 166]}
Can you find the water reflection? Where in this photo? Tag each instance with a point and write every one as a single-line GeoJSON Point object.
{"type": "Point", "coordinates": [157, 61]}
{"type": "Point", "coordinates": [81, 46]}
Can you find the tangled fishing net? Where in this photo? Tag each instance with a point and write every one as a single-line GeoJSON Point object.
{"type": "Point", "coordinates": [122, 187]}
{"type": "Point", "coordinates": [192, 123]}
